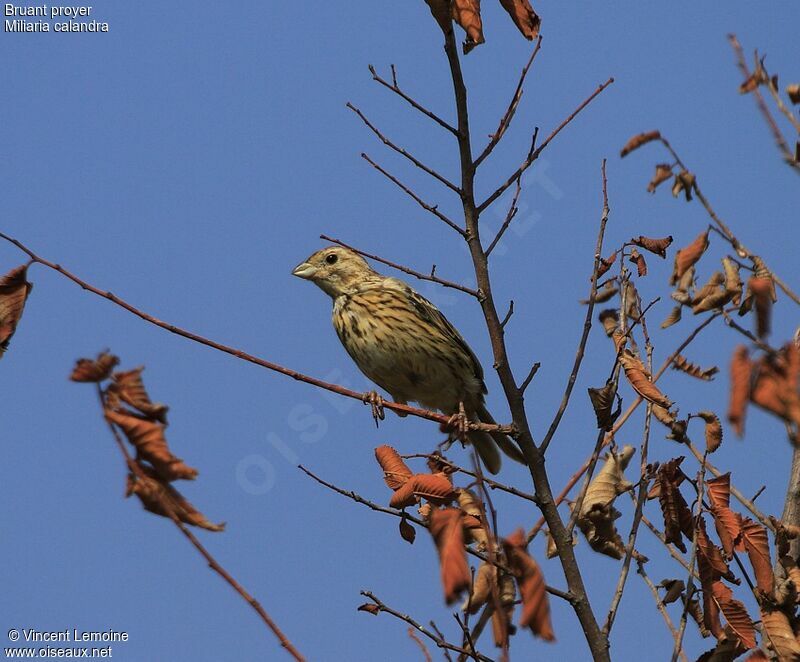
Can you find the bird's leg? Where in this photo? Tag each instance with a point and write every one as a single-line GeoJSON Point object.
{"type": "Point", "coordinates": [459, 422]}
{"type": "Point", "coordinates": [374, 399]}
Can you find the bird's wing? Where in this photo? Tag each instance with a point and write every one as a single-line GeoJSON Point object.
{"type": "Point", "coordinates": [434, 316]}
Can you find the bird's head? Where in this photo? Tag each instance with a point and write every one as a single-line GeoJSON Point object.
{"type": "Point", "coordinates": [335, 270]}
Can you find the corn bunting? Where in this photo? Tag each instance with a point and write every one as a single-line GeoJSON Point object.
{"type": "Point", "coordinates": [403, 343]}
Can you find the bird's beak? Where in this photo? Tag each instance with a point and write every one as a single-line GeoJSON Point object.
{"type": "Point", "coordinates": [304, 270]}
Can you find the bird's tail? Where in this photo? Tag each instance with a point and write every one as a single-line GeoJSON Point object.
{"type": "Point", "coordinates": [487, 443]}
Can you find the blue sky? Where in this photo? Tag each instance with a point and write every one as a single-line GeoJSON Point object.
{"type": "Point", "coordinates": [189, 158]}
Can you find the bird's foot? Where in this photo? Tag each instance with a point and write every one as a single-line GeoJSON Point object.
{"type": "Point", "coordinates": [375, 401]}
{"type": "Point", "coordinates": [459, 423]}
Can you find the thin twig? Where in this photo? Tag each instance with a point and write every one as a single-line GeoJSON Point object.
{"type": "Point", "coordinates": [406, 270]}
{"type": "Point", "coordinates": [621, 421]}
{"type": "Point", "coordinates": [529, 377]}
{"type": "Point", "coordinates": [403, 152]}
{"type": "Point", "coordinates": [420, 643]}
{"type": "Point", "coordinates": [393, 86]}
{"type": "Point", "coordinates": [512, 212]}
{"type": "Point", "coordinates": [437, 639]}
{"type": "Point", "coordinates": [508, 314]}
{"type": "Point", "coordinates": [505, 121]}
{"type": "Point", "coordinates": [433, 209]}
{"type": "Point", "coordinates": [244, 356]}
{"type": "Point", "coordinates": [138, 472]}
{"type": "Point", "coordinates": [692, 560]}
{"type": "Point", "coordinates": [534, 154]}
{"type": "Point", "coordinates": [660, 605]}
{"type": "Point", "coordinates": [587, 323]}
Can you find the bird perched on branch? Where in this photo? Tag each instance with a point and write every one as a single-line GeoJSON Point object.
{"type": "Point", "coordinates": [403, 343]}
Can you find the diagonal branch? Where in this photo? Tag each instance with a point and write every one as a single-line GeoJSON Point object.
{"type": "Point", "coordinates": [411, 272]}
{"type": "Point", "coordinates": [534, 154]}
{"type": "Point", "coordinates": [433, 209]}
{"type": "Point", "coordinates": [244, 356]}
{"type": "Point", "coordinates": [403, 152]}
{"type": "Point", "coordinates": [394, 87]}
{"type": "Point", "coordinates": [505, 121]}
{"type": "Point", "coordinates": [135, 468]}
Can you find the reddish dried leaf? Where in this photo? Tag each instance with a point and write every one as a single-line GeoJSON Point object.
{"type": "Point", "coordinates": [370, 608]}
{"type": "Point", "coordinates": [638, 259]}
{"type": "Point", "coordinates": [161, 498]}
{"type": "Point", "coordinates": [14, 291]}
{"type": "Point", "coordinates": [663, 173]}
{"type": "Point", "coordinates": [148, 438]}
{"type": "Point", "coordinates": [467, 13]}
{"type": "Point", "coordinates": [446, 529]}
{"type": "Point", "coordinates": [684, 182]}
{"type": "Point", "coordinates": [710, 607]}
{"type": "Point", "coordinates": [658, 246]}
{"type": "Point", "coordinates": [526, 20]}
{"type": "Point", "coordinates": [639, 379]}
{"type": "Point", "coordinates": [735, 614]}
{"type": "Point", "coordinates": [677, 517]}
{"type": "Point", "coordinates": [776, 386]}
{"type": "Point", "coordinates": [684, 365]}
{"type": "Point", "coordinates": [762, 290]}
{"type": "Point", "coordinates": [436, 488]}
{"type": "Point", "coordinates": [713, 431]}
{"type": "Point", "coordinates": [779, 635]}
{"type": "Point", "coordinates": [741, 368]}
{"type": "Point", "coordinates": [712, 554]}
{"type": "Point", "coordinates": [727, 523]}
{"type": "Point", "coordinates": [793, 92]}
{"type": "Point", "coordinates": [605, 264]}
{"type": "Point", "coordinates": [638, 140]}
{"type": "Point", "coordinates": [687, 257]}
{"type": "Point", "coordinates": [530, 581]}
{"type": "Point", "coordinates": [395, 471]}
{"type": "Point", "coordinates": [407, 532]}
{"type": "Point", "coordinates": [94, 370]}
{"type": "Point", "coordinates": [756, 543]}
{"type": "Point", "coordinates": [129, 388]}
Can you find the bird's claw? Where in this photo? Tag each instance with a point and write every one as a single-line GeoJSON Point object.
{"type": "Point", "coordinates": [375, 401]}
{"type": "Point", "coordinates": [459, 422]}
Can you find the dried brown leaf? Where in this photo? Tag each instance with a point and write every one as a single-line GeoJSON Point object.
{"type": "Point", "coordinates": [604, 294]}
{"type": "Point", "coordinates": [467, 13]}
{"type": "Point", "coordinates": [532, 588]}
{"type": "Point", "coordinates": [777, 383]}
{"type": "Point", "coordinates": [684, 182]}
{"type": "Point", "coordinates": [638, 259]}
{"type": "Point", "coordinates": [688, 256]}
{"type": "Point", "coordinates": [762, 291]}
{"type": "Point", "coordinates": [395, 471]}
{"type": "Point", "coordinates": [610, 480]}
{"type": "Point", "coordinates": [673, 590]}
{"type": "Point", "coordinates": [793, 92]}
{"type": "Point", "coordinates": [407, 532]}
{"type": "Point", "coordinates": [683, 364]}
{"type": "Point", "coordinates": [609, 318]}
{"type": "Point", "coordinates": [779, 635]}
{"type": "Point", "coordinates": [727, 523]}
{"type": "Point", "coordinates": [148, 439]}
{"type": "Point", "coordinates": [736, 615]}
{"type": "Point", "coordinates": [605, 264]}
{"type": "Point", "coordinates": [445, 527]}
{"type": "Point", "coordinates": [436, 488]}
{"type": "Point", "coordinates": [370, 608]}
{"type": "Point", "coordinates": [481, 590]}
{"type": "Point", "coordinates": [677, 517]}
{"type": "Point", "coordinates": [756, 543]}
{"type": "Point", "coordinates": [673, 318]}
{"type": "Point", "coordinates": [128, 387]}
{"type": "Point", "coordinates": [603, 404]}
{"type": "Point", "coordinates": [733, 282]}
{"type": "Point", "coordinates": [713, 430]}
{"type": "Point", "coordinates": [639, 379]}
{"type": "Point", "coordinates": [160, 498]}
{"type": "Point", "coordinates": [658, 246]}
{"type": "Point", "coordinates": [14, 291]}
{"type": "Point", "coordinates": [526, 20]}
{"type": "Point", "coordinates": [740, 371]}
{"type": "Point", "coordinates": [94, 370]}
{"type": "Point", "coordinates": [638, 140]}
{"type": "Point", "coordinates": [712, 554]}
{"type": "Point", "coordinates": [663, 173]}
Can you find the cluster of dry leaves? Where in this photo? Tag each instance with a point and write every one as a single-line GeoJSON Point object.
{"type": "Point", "coordinates": [456, 519]}
{"type": "Point", "coordinates": [127, 407]}
{"type": "Point", "coordinates": [467, 13]}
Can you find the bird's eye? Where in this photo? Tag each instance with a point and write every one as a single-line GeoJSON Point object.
{"type": "Point", "coordinates": [331, 258]}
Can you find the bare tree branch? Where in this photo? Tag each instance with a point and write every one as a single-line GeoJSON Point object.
{"type": "Point", "coordinates": [406, 270]}
{"type": "Point", "coordinates": [403, 152]}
